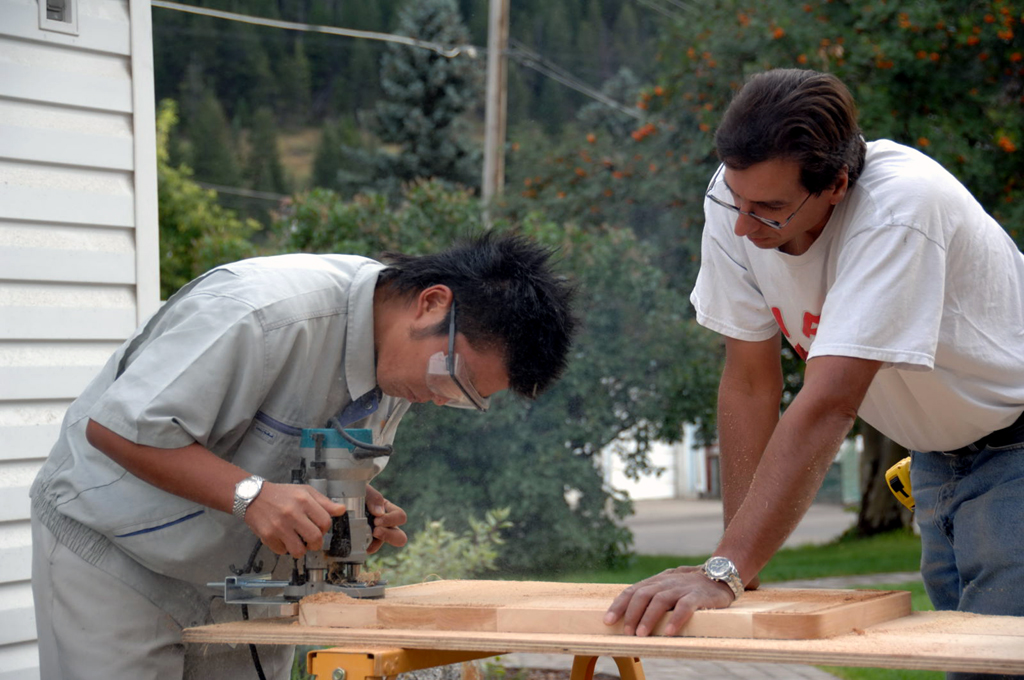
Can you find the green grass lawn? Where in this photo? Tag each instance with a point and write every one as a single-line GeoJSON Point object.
{"type": "Point", "coordinates": [893, 552]}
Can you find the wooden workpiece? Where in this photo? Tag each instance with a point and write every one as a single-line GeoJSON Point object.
{"type": "Point", "coordinates": [538, 607]}
{"type": "Point", "coordinates": [924, 640]}
{"type": "Point", "coordinates": [950, 641]}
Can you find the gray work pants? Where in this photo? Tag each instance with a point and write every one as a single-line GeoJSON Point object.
{"type": "Point", "coordinates": [92, 625]}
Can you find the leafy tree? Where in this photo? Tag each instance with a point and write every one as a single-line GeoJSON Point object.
{"type": "Point", "coordinates": [196, 234]}
{"type": "Point", "coordinates": [639, 370]}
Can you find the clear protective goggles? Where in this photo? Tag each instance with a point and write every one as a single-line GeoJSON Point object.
{"type": "Point", "coordinates": [448, 376]}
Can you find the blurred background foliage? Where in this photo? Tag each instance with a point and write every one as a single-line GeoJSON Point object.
{"type": "Point", "coordinates": [321, 143]}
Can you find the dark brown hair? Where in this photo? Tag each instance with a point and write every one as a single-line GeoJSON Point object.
{"type": "Point", "coordinates": [800, 115]}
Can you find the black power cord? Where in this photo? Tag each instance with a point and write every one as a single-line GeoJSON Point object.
{"type": "Point", "coordinates": [251, 566]}
{"type": "Point", "coordinates": [252, 648]}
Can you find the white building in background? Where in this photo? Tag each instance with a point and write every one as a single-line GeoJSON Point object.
{"type": "Point", "coordinates": [688, 471]}
{"type": "Point", "coordinates": [79, 243]}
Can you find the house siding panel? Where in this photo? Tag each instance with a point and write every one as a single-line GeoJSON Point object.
{"type": "Point", "coordinates": [78, 254]}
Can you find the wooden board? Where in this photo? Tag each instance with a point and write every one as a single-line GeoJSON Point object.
{"type": "Point", "coordinates": [949, 641]}
{"type": "Point", "coordinates": [573, 608]}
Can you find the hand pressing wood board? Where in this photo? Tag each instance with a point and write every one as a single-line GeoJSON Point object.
{"type": "Point", "coordinates": [576, 608]}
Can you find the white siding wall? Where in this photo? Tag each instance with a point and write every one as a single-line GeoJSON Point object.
{"type": "Point", "coordinates": [78, 245]}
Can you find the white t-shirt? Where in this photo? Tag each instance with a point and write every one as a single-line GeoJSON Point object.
{"type": "Point", "coordinates": [911, 271]}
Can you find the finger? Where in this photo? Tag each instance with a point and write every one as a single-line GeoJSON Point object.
{"type": "Point", "coordinates": [373, 497]}
{"type": "Point", "coordinates": [681, 613]}
{"type": "Point", "coordinates": [311, 535]}
{"type": "Point", "coordinates": [389, 515]}
{"type": "Point", "coordinates": [294, 544]}
{"type": "Point", "coordinates": [656, 609]}
{"type": "Point", "coordinates": [333, 508]}
{"type": "Point", "coordinates": [391, 536]}
{"type": "Point", "coordinates": [618, 606]}
{"type": "Point", "coordinates": [635, 609]}
{"type": "Point", "coordinates": [275, 546]}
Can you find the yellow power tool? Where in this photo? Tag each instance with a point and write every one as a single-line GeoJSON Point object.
{"type": "Point", "coordinates": [898, 479]}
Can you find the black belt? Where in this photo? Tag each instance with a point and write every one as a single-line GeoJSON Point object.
{"type": "Point", "coordinates": [1011, 434]}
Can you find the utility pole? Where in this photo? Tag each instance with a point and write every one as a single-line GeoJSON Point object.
{"type": "Point", "coordinates": [497, 90]}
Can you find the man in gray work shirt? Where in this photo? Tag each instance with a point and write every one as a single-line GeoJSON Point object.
{"type": "Point", "coordinates": [136, 509]}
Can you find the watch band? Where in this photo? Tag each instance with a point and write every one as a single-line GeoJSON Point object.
{"type": "Point", "coordinates": [242, 501]}
{"type": "Point", "coordinates": [722, 569]}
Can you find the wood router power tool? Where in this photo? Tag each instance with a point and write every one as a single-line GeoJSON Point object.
{"type": "Point", "coordinates": [339, 464]}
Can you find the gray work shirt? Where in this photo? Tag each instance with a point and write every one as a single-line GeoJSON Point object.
{"type": "Point", "coordinates": [253, 353]}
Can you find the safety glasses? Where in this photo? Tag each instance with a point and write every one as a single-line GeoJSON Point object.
{"type": "Point", "coordinates": [448, 376]}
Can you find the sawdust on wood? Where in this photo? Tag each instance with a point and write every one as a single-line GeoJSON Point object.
{"type": "Point", "coordinates": [370, 578]}
{"type": "Point", "coordinates": [330, 597]}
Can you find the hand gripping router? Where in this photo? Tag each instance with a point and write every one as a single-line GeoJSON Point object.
{"type": "Point", "coordinates": [339, 464]}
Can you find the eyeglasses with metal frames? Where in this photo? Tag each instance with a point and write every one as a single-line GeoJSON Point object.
{"type": "Point", "coordinates": [763, 220]}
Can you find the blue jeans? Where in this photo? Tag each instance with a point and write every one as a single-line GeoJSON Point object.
{"type": "Point", "coordinates": [970, 509]}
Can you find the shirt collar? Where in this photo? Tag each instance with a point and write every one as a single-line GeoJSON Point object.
{"type": "Point", "coordinates": [360, 357]}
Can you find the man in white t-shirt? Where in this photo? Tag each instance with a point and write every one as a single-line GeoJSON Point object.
{"type": "Point", "coordinates": [907, 301]}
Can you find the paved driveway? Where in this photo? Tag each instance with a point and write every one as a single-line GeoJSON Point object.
{"type": "Point", "coordinates": [686, 527]}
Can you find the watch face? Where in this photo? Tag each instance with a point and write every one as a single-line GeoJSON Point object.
{"type": "Point", "coordinates": [247, 488]}
{"type": "Point", "coordinates": [718, 567]}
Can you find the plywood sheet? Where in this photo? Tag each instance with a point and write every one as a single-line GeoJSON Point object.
{"type": "Point", "coordinates": [573, 608]}
{"type": "Point", "coordinates": [950, 641]}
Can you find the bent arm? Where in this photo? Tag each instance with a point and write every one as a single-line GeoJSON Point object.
{"type": "Point", "coordinates": [288, 518]}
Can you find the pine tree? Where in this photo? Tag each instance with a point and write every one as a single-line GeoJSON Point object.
{"type": "Point", "coordinates": [263, 170]}
{"type": "Point", "coordinates": [331, 157]}
{"type": "Point", "coordinates": [426, 96]}
{"type": "Point", "coordinates": [212, 154]}
{"type": "Point", "coordinates": [294, 76]}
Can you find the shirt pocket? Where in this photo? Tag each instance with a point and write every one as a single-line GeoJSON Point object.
{"type": "Point", "coordinates": [188, 541]}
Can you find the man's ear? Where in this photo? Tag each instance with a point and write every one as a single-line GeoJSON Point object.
{"type": "Point", "coordinates": [842, 185]}
{"type": "Point", "coordinates": [433, 302]}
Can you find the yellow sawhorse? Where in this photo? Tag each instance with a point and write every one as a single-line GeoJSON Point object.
{"type": "Point", "coordinates": [338, 663]}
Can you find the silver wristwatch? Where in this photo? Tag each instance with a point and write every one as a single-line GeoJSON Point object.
{"type": "Point", "coordinates": [246, 492]}
{"type": "Point", "coordinates": [722, 569]}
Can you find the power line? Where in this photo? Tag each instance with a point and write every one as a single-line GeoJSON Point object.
{"type": "Point", "coordinates": [684, 6]}
{"type": "Point", "coordinates": [247, 193]}
{"type": "Point", "coordinates": [657, 7]}
{"type": "Point", "coordinates": [470, 51]}
{"type": "Point", "coordinates": [531, 59]}
{"type": "Point", "coordinates": [519, 53]}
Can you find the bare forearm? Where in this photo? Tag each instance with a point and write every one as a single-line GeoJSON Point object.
{"type": "Point", "coordinates": [789, 474]}
{"type": "Point", "coordinates": [796, 459]}
{"type": "Point", "coordinates": [192, 472]}
{"type": "Point", "coordinates": [745, 426]}
{"type": "Point", "coordinates": [784, 482]}
{"type": "Point", "coordinates": [288, 518]}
